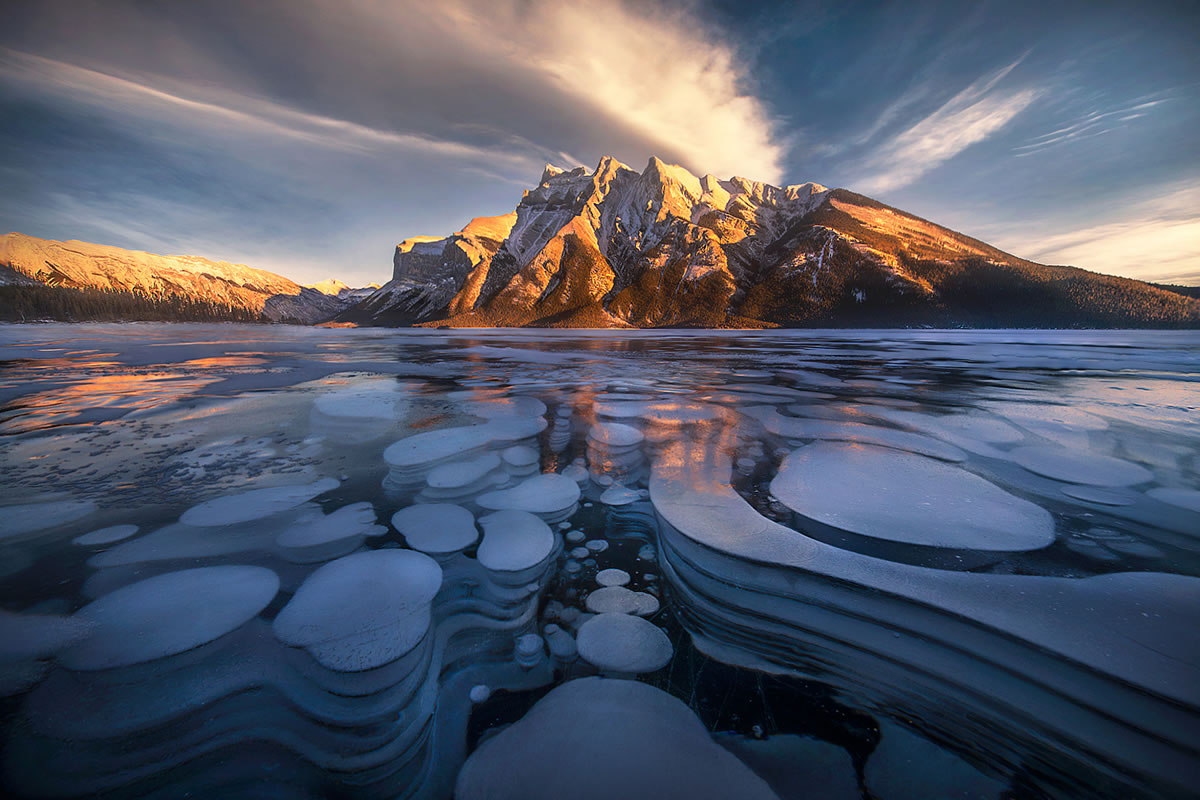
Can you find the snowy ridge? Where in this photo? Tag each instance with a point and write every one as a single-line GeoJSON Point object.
{"type": "Point", "coordinates": [664, 247]}
{"type": "Point", "coordinates": [84, 265]}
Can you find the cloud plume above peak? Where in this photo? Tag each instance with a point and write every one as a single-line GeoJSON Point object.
{"type": "Point", "coordinates": [662, 76]}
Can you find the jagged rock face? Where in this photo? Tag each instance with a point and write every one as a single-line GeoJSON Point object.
{"type": "Point", "coordinates": [84, 265]}
{"type": "Point", "coordinates": [665, 248]}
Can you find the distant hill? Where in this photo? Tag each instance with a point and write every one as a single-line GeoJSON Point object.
{"type": "Point", "coordinates": [102, 282]}
{"type": "Point", "coordinates": [664, 248]}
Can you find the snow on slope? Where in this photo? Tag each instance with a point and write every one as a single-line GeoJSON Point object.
{"type": "Point", "coordinates": [76, 264]}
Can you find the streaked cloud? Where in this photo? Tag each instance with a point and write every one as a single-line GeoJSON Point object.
{"type": "Point", "coordinates": [1090, 125]}
{"type": "Point", "coordinates": [234, 114]}
{"type": "Point", "coordinates": [971, 116]}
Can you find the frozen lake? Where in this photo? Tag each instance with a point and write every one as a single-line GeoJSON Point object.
{"type": "Point", "coordinates": [270, 561]}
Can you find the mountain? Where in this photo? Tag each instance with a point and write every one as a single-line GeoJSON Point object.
{"type": "Point", "coordinates": [664, 248]}
{"type": "Point", "coordinates": [224, 289]}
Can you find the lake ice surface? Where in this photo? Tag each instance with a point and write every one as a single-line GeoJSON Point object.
{"type": "Point", "coordinates": [919, 563]}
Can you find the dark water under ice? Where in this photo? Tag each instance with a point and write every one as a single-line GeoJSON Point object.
{"type": "Point", "coordinates": [888, 564]}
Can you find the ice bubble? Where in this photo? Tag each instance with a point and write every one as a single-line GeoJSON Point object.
{"type": "Point", "coordinates": [1075, 466]}
{"type": "Point", "coordinates": [600, 739]}
{"type": "Point", "coordinates": [619, 600]}
{"type": "Point", "coordinates": [612, 577]}
{"type": "Point", "coordinates": [618, 495]}
{"type": "Point", "coordinates": [432, 447]}
{"type": "Point", "coordinates": [597, 545]}
{"type": "Point", "coordinates": [362, 611]}
{"type": "Point", "coordinates": [541, 494]}
{"type": "Point", "coordinates": [603, 480]}
{"type": "Point", "coordinates": [255, 504]}
{"type": "Point", "coordinates": [577, 473]}
{"type": "Point", "coordinates": [1104, 497]}
{"type": "Point", "coordinates": [615, 435]}
{"type": "Point", "coordinates": [796, 428]}
{"type": "Point", "coordinates": [33, 517]}
{"type": "Point", "coordinates": [169, 614]}
{"type": "Point", "coordinates": [623, 644]}
{"type": "Point", "coordinates": [461, 474]}
{"type": "Point", "coordinates": [1036, 416]}
{"type": "Point", "coordinates": [647, 553]}
{"type": "Point", "coordinates": [480, 693]}
{"type": "Point", "coordinates": [505, 407]}
{"type": "Point", "coordinates": [521, 456]}
{"type": "Point", "coordinates": [514, 540]}
{"type": "Point", "coordinates": [573, 567]}
{"type": "Point", "coordinates": [1092, 549]}
{"type": "Point", "coordinates": [1134, 548]}
{"type": "Point", "coordinates": [371, 402]}
{"type": "Point", "coordinates": [576, 536]}
{"type": "Point", "coordinates": [1184, 498]}
{"type": "Point", "coordinates": [529, 650]}
{"type": "Point", "coordinates": [561, 643]}
{"type": "Point", "coordinates": [906, 498]}
{"type": "Point", "coordinates": [580, 552]}
{"type": "Point", "coordinates": [562, 526]}
{"type": "Point", "coordinates": [114, 533]}
{"type": "Point", "coordinates": [331, 535]}
{"type": "Point", "coordinates": [436, 528]}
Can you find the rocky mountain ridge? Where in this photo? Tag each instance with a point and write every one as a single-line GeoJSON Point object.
{"type": "Point", "coordinates": [30, 261]}
{"type": "Point", "coordinates": [613, 247]}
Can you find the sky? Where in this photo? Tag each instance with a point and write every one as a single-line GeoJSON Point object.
{"type": "Point", "coordinates": [308, 137]}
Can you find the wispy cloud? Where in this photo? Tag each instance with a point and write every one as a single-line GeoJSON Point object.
{"type": "Point", "coordinates": [969, 117]}
{"type": "Point", "coordinates": [232, 113]}
{"type": "Point", "coordinates": [1090, 125]}
{"type": "Point", "coordinates": [1157, 240]}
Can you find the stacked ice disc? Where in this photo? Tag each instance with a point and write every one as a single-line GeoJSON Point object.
{"type": "Point", "coordinates": [597, 738]}
{"type": "Point", "coordinates": [181, 686]}
{"type": "Point", "coordinates": [614, 453]}
{"type": "Point", "coordinates": [136, 698]}
{"type": "Point", "coordinates": [560, 433]}
{"type": "Point", "coordinates": [551, 496]}
{"type": "Point", "coordinates": [277, 528]}
{"type": "Point", "coordinates": [360, 412]}
{"type": "Point", "coordinates": [463, 481]}
{"type": "Point", "coordinates": [410, 459]}
{"type": "Point", "coordinates": [967, 653]}
{"type": "Point", "coordinates": [520, 461]}
{"type": "Point", "coordinates": [663, 419]}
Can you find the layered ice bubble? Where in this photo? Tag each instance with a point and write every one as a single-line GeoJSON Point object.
{"type": "Point", "coordinates": [514, 541]}
{"type": "Point", "coordinates": [436, 528]}
{"type": "Point", "coordinates": [601, 738]}
{"type": "Point", "coordinates": [623, 644]}
{"type": "Point", "coordinates": [255, 504]}
{"type": "Point", "coordinates": [362, 611]}
{"type": "Point", "coordinates": [905, 498]}
{"type": "Point", "coordinates": [169, 614]}
{"type": "Point", "coordinates": [1075, 466]}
